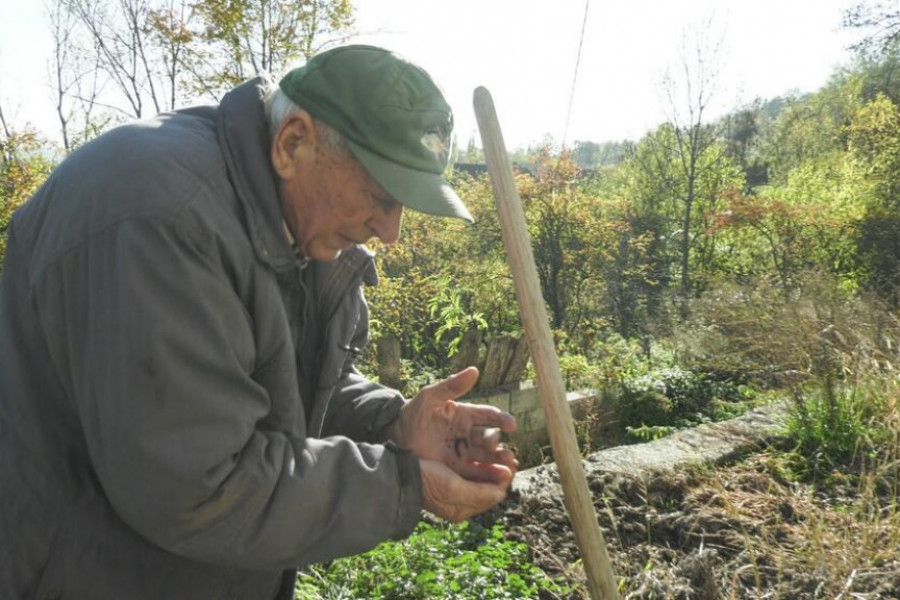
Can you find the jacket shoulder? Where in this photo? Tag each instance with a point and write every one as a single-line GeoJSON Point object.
{"type": "Point", "coordinates": [148, 169]}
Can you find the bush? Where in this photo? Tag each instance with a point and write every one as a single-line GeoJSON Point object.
{"type": "Point", "coordinates": [662, 401]}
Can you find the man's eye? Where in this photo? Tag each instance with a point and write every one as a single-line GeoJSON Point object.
{"type": "Point", "coordinates": [386, 204]}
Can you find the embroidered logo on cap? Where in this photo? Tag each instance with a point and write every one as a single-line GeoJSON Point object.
{"type": "Point", "coordinates": [435, 143]}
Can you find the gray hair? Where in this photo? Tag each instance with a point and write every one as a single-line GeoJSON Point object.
{"type": "Point", "coordinates": [279, 107]}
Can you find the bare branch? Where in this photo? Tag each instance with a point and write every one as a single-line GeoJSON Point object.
{"type": "Point", "coordinates": [6, 131]}
{"type": "Point", "coordinates": [879, 23]}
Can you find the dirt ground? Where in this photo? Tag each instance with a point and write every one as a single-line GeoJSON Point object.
{"type": "Point", "coordinates": [738, 531]}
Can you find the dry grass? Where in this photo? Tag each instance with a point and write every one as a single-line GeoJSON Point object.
{"type": "Point", "coordinates": [768, 527]}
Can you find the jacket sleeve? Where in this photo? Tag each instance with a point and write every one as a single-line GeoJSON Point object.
{"type": "Point", "coordinates": [360, 408]}
{"type": "Point", "coordinates": [156, 351]}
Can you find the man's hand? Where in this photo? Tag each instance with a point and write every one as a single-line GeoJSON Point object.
{"type": "Point", "coordinates": [451, 497]}
{"type": "Point", "coordinates": [464, 437]}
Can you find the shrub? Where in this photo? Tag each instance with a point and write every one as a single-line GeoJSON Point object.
{"type": "Point", "coordinates": [657, 403]}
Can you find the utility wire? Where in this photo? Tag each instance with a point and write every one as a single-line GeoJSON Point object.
{"type": "Point", "coordinates": [587, 3]}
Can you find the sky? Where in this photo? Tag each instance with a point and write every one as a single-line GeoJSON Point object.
{"type": "Point", "coordinates": [525, 52]}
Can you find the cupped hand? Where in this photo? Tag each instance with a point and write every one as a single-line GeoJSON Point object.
{"type": "Point", "coordinates": [454, 498]}
{"type": "Point", "coordinates": [464, 437]}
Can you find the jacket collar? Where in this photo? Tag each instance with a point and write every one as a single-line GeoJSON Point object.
{"type": "Point", "coordinates": [338, 277]}
{"type": "Point", "coordinates": [244, 137]}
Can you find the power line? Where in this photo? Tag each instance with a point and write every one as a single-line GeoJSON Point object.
{"type": "Point", "coordinates": [587, 3]}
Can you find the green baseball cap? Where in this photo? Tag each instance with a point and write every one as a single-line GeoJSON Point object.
{"type": "Point", "coordinates": [394, 117]}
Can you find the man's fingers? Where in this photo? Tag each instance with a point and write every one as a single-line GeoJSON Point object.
{"type": "Point", "coordinates": [498, 474]}
{"type": "Point", "coordinates": [485, 446]}
{"type": "Point", "coordinates": [470, 416]}
{"type": "Point", "coordinates": [500, 456]}
{"type": "Point", "coordinates": [460, 383]}
{"type": "Point", "coordinates": [451, 497]}
{"type": "Point", "coordinates": [453, 387]}
{"type": "Point", "coordinates": [463, 455]}
{"type": "Point", "coordinates": [484, 437]}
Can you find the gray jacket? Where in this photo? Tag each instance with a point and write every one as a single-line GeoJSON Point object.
{"type": "Point", "coordinates": [161, 435]}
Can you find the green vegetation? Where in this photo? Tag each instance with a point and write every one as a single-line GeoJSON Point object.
{"type": "Point", "coordinates": [658, 403]}
{"type": "Point", "coordinates": [24, 165]}
{"type": "Point", "coordinates": [437, 562]}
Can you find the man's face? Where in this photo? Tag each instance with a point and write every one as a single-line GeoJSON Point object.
{"type": "Point", "coordinates": [331, 204]}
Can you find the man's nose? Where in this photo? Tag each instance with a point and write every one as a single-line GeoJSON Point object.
{"type": "Point", "coordinates": [386, 223]}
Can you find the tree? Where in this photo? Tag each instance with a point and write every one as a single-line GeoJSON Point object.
{"type": "Point", "coordinates": [142, 66]}
{"type": "Point", "coordinates": [875, 143]}
{"type": "Point", "coordinates": [24, 165]}
{"type": "Point", "coordinates": [810, 126]}
{"type": "Point", "coordinates": [586, 154]}
{"type": "Point", "coordinates": [563, 236]}
{"type": "Point", "coordinates": [877, 73]}
{"type": "Point", "coordinates": [243, 38]}
{"type": "Point", "coordinates": [777, 239]}
{"type": "Point", "coordinates": [878, 22]}
{"type": "Point", "coordinates": [742, 134]}
{"type": "Point", "coordinates": [73, 79]}
{"type": "Point", "coordinates": [673, 193]}
{"type": "Point", "coordinates": [591, 155]}
{"type": "Point", "coordinates": [683, 159]}
{"type": "Point", "coordinates": [150, 56]}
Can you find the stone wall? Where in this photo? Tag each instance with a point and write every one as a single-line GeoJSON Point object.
{"type": "Point", "coordinates": [524, 403]}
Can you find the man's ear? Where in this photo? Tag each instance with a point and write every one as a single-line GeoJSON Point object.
{"type": "Point", "coordinates": [295, 136]}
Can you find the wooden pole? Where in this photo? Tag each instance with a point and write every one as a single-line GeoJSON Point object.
{"type": "Point", "coordinates": [597, 567]}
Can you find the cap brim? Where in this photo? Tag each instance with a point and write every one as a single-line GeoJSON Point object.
{"type": "Point", "coordinates": [419, 190]}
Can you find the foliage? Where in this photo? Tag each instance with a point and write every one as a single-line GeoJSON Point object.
{"type": "Point", "coordinates": [438, 561]}
{"type": "Point", "coordinates": [591, 155]}
{"type": "Point", "coordinates": [657, 403]}
{"type": "Point", "coordinates": [447, 307]}
{"type": "Point", "coordinates": [455, 276]}
{"type": "Point", "coordinates": [24, 165]}
{"type": "Point", "coordinates": [837, 424]}
{"type": "Point", "coordinates": [675, 189]}
{"type": "Point", "coordinates": [567, 234]}
{"type": "Point", "coordinates": [443, 278]}
{"type": "Point", "coordinates": [577, 371]}
{"type": "Point", "coordinates": [874, 145]}
{"type": "Point", "coordinates": [615, 358]}
{"type": "Point", "coordinates": [242, 38]}
{"type": "Point", "coordinates": [768, 235]}
{"type": "Point", "coordinates": [806, 128]}
{"type": "Point", "coordinates": [141, 57]}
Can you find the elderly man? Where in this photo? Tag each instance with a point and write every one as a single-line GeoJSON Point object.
{"type": "Point", "coordinates": [180, 308]}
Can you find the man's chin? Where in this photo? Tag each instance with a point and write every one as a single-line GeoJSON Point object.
{"type": "Point", "coordinates": [322, 254]}
{"type": "Point", "coordinates": [328, 256]}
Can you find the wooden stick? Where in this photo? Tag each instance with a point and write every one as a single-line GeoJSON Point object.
{"type": "Point", "coordinates": [597, 567]}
